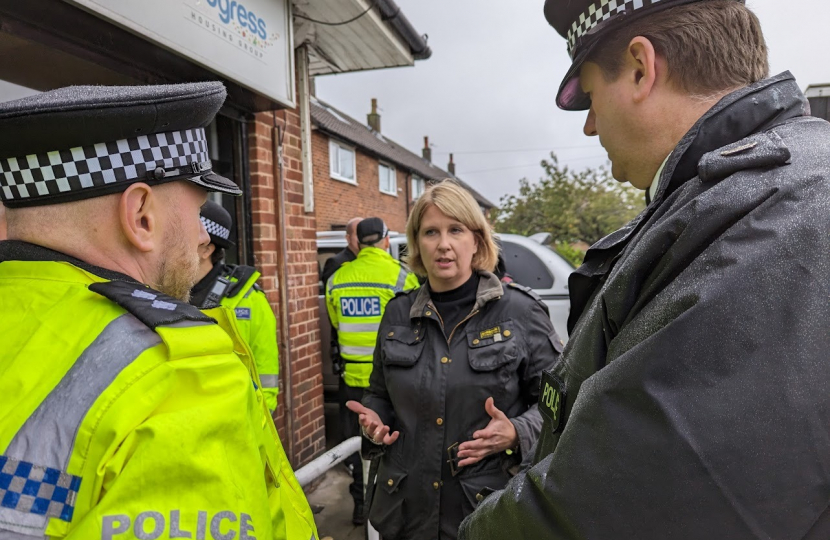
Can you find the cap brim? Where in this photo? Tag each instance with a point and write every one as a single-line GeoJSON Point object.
{"type": "Point", "coordinates": [221, 242]}
{"type": "Point", "coordinates": [570, 96]}
{"type": "Point", "coordinates": [213, 182]}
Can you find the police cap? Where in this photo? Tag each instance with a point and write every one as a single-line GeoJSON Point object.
{"type": "Point", "coordinates": [583, 23]}
{"type": "Point", "coordinates": [218, 223]}
{"type": "Point", "coordinates": [80, 142]}
{"type": "Point", "coordinates": [371, 230]}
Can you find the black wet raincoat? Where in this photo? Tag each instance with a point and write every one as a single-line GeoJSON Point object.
{"type": "Point", "coordinates": [431, 383]}
{"type": "Point", "coordinates": [695, 388]}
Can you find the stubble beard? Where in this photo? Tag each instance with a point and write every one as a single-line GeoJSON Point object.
{"type": "Point", "coordinates": [178, 268]}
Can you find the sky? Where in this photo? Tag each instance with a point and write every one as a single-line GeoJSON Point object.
{"type": "Point", "coordinates": [487, 93]}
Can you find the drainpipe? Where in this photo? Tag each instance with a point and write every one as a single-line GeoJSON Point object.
{"type": "Point", "coordinates": [282, 278]}
{"type": "Point", "coordinates": [304, 108]}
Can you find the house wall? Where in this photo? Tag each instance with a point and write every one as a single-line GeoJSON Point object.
{"type": "Point", "coordinates": [306, 378]}
{"type": "Point", "coordinates": [335, 202]}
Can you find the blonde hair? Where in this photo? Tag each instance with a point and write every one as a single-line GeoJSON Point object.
{"type": "Point", "coordinates": [456, 202]}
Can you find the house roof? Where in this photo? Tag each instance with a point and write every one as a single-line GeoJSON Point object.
{"type": "Point", "coordinates": [334, 122]}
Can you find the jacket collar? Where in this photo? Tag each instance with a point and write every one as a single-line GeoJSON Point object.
{"type": "Point", "coordinates": [489, 288]}
{"type": "Point", "coordinates": [16, 250]}
{"type": "Point", "coordinates": [372, 252]}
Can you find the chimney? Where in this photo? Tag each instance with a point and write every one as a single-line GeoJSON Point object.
{"type": "Point", "coordinates": [373, 118]}
{"type": "Point", "coordinates": [427, 151]}
{"type": "Point", "coordinates": [451, 166]}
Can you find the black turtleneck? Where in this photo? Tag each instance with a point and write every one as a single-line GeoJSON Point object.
{"type": "Point", "coordinates": [456, 304]}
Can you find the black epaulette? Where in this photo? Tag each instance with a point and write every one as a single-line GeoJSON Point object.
{"type": "Point", "coordinates": [147, 305]}
{"type": "Point", "coordinates": [239, 273]}
{"type": "Point", "coordinates": [403, 293]}
{"type": "Point", "coordinates": [531, 293]}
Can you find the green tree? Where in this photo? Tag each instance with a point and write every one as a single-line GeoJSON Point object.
{"type": "Point", "coordinates": [574, 206]}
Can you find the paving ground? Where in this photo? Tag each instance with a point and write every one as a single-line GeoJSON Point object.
{"type": "Point", "coordinates": [334, 521]}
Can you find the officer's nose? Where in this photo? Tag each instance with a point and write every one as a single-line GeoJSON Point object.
{"type": "Point", "coordinates": [590, 128]}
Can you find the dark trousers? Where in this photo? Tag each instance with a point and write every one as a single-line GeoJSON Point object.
{"type": "Point", "coordinates": [350, 427]}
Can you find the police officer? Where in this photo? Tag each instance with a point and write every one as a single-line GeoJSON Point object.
{"type": "Point", "coordinates": [235, 287]}
{"type": "Point", "coordinates": [356, 297]}
{"type": "Point", "coordinates": [125, 412]}
{"type": "Point", "coordinates": [691, 400]}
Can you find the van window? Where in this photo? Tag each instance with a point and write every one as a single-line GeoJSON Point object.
{"type": "Point", "coordinates": [525, 267]}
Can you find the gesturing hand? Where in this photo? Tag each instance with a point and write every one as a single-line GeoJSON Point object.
{"type": "Point", "coordinates": [370, 421]}
{"type": "Point", "coordinates": [499, 435]}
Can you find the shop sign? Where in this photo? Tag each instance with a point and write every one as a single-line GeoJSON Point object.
{"type": "Point", "coordinates": [247, 41]}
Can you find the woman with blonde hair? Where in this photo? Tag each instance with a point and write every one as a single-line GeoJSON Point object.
{"type": "Point", "coordinates": [451, 406]}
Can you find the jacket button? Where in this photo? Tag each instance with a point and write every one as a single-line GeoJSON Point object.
{"type": "Point", "coordinates": [507, 333]}
{"type": "Point", "coordinates": [436, 485]}
{"type": "Point", "coordinates": [440, 421]}
{"type": "Point", "coordinates": [476, 342]}
{"type": "Point", "coordinates": [428, 313]}
{"type": "Point", "coordinates": [390, 482]}
{"type": "Point", "coordinates": [479, 497]}
{"type": "Point", "coordinates": [416, 330]}
{"type": "Point", "coordinates": [444, 360]}
{"type": "Point", "coordinates": [390, 334]}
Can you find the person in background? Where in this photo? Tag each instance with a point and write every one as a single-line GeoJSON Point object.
{"type": "Point", "coordinates": [451, 408]}
{"type": "Point", "coordinates": [235, 288]}
{"type": "Point", "coordinates": [348, 254]}
{"type": "Point", "coordinates": [125, 411]}
{"type": "Point", "coordinates": [356, 297]}
{"type": "Point", "coordinates": [692, 398]}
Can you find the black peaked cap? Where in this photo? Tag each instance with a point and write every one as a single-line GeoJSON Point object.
{"type": "Point", "coordinates": [583, 23]}
{"type": "Point", "coordinates": [76, 117]}
{"type": "Point", "coordinates": [218, 223]}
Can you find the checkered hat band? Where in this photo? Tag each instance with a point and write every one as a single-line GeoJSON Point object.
{"type": "Point", "coordinates": [31, 489]}
{"type": "Point", "coordinates": [77, 169]}
{"type": "Point", "coordinates": [214, 229]}
{"type": "Point", "coordinates": [599, 11]}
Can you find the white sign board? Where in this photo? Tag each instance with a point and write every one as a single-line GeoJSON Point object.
{"type": "Point", "coordinates": [247, 41]}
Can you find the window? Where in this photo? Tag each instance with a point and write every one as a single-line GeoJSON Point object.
{"type": "Point", "coordinates": [525, 267]}
{"type": "Point", "coordinates": [418, 187]}
{"type": "Point", "coordinates": [388, 180]}
{"type": "Point", "coordinates": [342, 160]}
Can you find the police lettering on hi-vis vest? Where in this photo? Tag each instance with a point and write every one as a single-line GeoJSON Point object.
{"type": "Point", "coordinates": [234, 287]}
{"type": "Point", "coordinates": [357, 294]}
{"type": "Point", "coordinates": [126, 412]}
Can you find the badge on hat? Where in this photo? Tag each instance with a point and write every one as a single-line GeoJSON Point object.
{"type": "Point", "coordinates": [80, 142]}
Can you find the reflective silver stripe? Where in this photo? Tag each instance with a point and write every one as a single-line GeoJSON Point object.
{"type": "Point", "coordinates": [48, 435]}
{"type": "Point", "coordinates": [357, 351]}
{"type": "Point", "coordinates": [269, 381]}
{"type": "Point", "coordinates": [10, 535]}
{"type": "Point", "coordinates": [401, 280]}
{"type": "Point", "coordinates": [359, 327]}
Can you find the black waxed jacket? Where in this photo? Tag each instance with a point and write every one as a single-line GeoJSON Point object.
{"type": "Point", "coordinates": [431, 383]}
{"type": "Point", "coordinates": [697, 376]}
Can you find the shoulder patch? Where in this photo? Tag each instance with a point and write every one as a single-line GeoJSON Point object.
{"type": "Point", "coordinates": [147, 305]}
{"type": "Point", "coordinates": [529, 292]}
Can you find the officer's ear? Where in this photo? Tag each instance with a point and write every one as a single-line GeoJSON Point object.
{"type": "Point", "coordinates": [640, 68]}
{"type": "Point", "coordinates": [137, 209]}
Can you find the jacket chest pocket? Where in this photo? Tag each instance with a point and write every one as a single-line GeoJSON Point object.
{"type": "Point", "coordinates": [492, 347]}
{"type": "Point", "coordinates": [402, 345]}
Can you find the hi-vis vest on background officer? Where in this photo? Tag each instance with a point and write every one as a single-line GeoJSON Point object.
{"type": "Point", "coordinates": [356, 297]}
{"type": "Point", "coordinates": [358, 293]}
{"type": "Point", "coordinates": [235, 288]}
{"type": "Point", "coordinates": [125, 412]}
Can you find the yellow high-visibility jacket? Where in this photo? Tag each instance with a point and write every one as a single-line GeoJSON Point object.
{"type": "Point", "coordinates": [258, 328]}
{"type": "Point", "coordinates": [128, 414]}
{"type": "Point", "coordinates": [356, 297]}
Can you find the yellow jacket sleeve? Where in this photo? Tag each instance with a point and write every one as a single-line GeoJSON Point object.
{"type": "Point", "coordinates": [263, 343]}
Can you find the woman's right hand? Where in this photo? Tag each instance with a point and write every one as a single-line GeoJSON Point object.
{"type": "Point", "coordinates": [372, 425]}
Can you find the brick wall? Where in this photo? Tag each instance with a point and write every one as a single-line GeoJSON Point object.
{"type": "Point", "coordinates": [306, 380]}
{"type": "Point", "coordinates": [336, 202]}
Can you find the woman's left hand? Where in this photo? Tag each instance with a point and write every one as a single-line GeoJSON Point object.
{"type": "Point", "coordinates": [499, 435]}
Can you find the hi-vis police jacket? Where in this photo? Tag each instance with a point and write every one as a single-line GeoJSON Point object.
{"type": "Point", "coordinates": [235, 288]}
{"type": "Point", "coordinates": [356, 296]}
{"type": "Point", "coordinates": [126, 414]}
